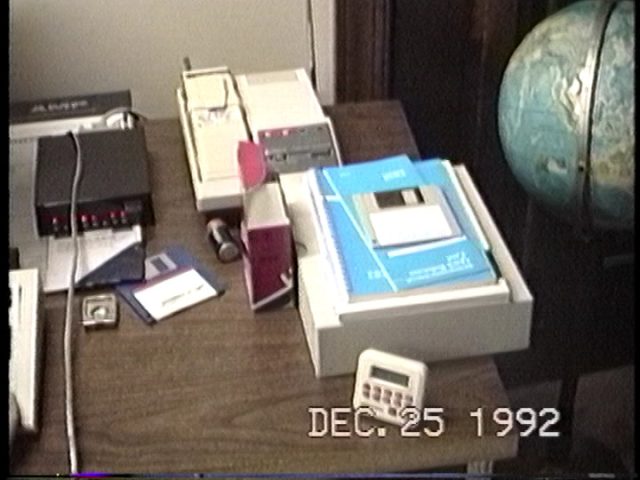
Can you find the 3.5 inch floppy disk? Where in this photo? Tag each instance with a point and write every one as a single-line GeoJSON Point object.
{"type": "Point", "coordinates": [411, 215]}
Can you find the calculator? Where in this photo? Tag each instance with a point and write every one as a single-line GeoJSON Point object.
{"type": "Point", "coordinates": [388, 383]}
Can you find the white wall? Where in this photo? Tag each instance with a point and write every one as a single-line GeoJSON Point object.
{"type": "Point", "coordinates": [70, 47]}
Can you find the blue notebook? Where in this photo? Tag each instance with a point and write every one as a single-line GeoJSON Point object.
{"type": "Point", "coordinates": [365, 272]}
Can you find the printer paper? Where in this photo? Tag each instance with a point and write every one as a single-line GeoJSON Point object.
{"type": "Point", "coordinates": [95, 248]}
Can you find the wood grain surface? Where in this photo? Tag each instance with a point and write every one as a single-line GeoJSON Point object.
{"type": "Point", "coordinates": [220, 389]}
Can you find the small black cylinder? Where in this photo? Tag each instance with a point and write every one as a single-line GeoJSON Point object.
{"type": "Point", "coordinates": [225, 246]}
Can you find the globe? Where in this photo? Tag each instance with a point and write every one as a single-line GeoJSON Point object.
{"type": "Point", "coordinates": [566, 113]}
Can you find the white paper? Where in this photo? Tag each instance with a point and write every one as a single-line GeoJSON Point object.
{"type": "Point", "coordinates": [407, 225]}
{"type": "Point", "coordinates": [95, 248]}
{"type": "Point", "coordinates": [16, 302]}
{"type": "Point", "coordinates": [175, 293]}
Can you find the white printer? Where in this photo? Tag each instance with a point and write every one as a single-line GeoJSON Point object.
{"type": "Point", "coordinates": [278, 110]}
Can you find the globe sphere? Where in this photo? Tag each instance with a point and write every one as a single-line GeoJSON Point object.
{"type": "Point", "coordinates": [566, 113]}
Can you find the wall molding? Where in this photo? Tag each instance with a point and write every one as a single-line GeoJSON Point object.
{"type": "Point", "coordinates": [363, 37]}
{"type": "Point", "coordinates": [323, 50]}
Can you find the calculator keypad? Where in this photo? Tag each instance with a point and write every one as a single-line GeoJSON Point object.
{"type": "Point", "coordinates": [366, 390]}
{"type": "Point", "coordinates": [392, 401]}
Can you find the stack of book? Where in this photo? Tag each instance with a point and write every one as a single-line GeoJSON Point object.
{"type": "Point", "coordinates": [394, 255]}
{"type": "Point", "coordinates": [392, 228]}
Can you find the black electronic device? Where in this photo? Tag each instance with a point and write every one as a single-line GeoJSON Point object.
{"type": "Point", "coordinates": [74, 107]}
{"type": "Point", "coordinates": [114, 189]}
{"type": "Point", "coordinates": [225, 246]}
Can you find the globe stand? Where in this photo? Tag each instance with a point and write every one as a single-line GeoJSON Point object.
{"type": "Point", "coordinates": [564, 260]}
{"type": "Point", "coordinates": [585, 253]}
{"type": "Point", "coordinates": [564, 268]}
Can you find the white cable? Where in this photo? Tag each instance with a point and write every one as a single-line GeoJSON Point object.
{"type": "Point", "coordinates": [68, 322]}
{"type": "Point", "coordinates": [125, 115]}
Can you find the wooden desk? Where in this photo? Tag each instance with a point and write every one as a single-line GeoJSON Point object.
{"type": "Point", "coordinates": [217, 389]}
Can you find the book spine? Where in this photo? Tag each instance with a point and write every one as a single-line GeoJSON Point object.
{"type": "Point", "coordinates": [326, 240]}
{"type": "Point", "coordinates": [424, 303]}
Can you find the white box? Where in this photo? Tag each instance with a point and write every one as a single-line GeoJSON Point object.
{"type": "Point", "coordinates": [278, 99]}
{"type": "Point", "coordinates": [26, 322]}
{"type": "Point", "coordinates": [438, 329]}
{"type": "Point", "coordinates": [268, 251]}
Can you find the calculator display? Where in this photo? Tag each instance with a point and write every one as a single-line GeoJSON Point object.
{"type": "Point", "coordinates": [390, 376]}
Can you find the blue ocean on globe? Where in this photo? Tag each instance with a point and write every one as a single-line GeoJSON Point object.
{"type": "Point", "coordinates": [543, 100]}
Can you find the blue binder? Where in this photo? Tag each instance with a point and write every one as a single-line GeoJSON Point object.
{"type": "Point", "coordinates": [366, 272]}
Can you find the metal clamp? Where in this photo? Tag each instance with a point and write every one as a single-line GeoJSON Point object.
{"type": "Point", "coordinates": [582, 188]}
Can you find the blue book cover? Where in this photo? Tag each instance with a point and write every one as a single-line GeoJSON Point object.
{"type": "Point", "coordinates": [368, 272]}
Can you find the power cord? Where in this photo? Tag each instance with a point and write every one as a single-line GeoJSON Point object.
{"type": "Point", "coordinates": [68, 323]}
{"type": "Point", "coordinates": [243, 111]}
{"type": "Point", "coordinates": [131, 117]}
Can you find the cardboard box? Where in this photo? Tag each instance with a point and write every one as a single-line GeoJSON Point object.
{"type": "Point", "coordinates": [268, 254]}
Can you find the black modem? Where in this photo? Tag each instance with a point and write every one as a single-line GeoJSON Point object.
{"type": "Point", "coordinates": [114, 190]}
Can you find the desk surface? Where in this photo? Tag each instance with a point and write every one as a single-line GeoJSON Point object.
{"type": "Point", "coordinates": [217, 388]}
